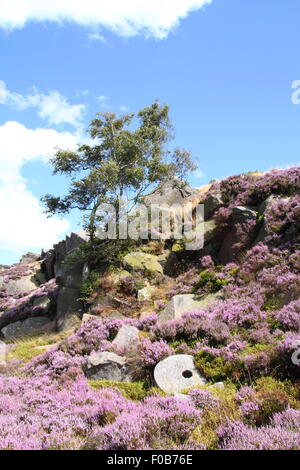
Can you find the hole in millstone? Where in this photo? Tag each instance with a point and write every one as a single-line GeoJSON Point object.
{"type": "Point", "coordinates": [187, 374]}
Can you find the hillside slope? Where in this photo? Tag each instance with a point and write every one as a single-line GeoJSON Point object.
{"type": "Point", "coordinates": [232, 308]}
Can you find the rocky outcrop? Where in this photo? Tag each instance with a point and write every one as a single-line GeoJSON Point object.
{"type": "Point", "coordinates": [24, 296]}
{"type": "Point", "coordinates": [69, 278]}
{"type": "Point", "coordinates": [29, 258]}
{"type": "Point", "coordinates": [143, 263]}
{"type": "Point", "coordinates": [53, 259]}
{"type": "Point", "coordinates": [171, 192]}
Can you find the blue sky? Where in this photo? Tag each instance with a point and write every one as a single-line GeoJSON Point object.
{"type": "Point", "coordinates": [225, 67]}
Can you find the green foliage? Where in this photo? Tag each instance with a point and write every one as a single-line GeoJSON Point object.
{"type": "Point", "coordinates": [211, 420]}
{"type": "Point", "coordinates": [273, 396]}
{"type": "Point", "coordinates": [125, 159]}
{"type": "Point", "coordinates": [26, 349]}
{"type": "Point", "coordinates": [155, 391]}
{"type": "Point", "coordinates": [89, 285]}
{"type": "Point", "coordinates": [101, 253]}
{"type": "Point", "coordinates": [255, 349]}
{"type": "Point", "coordinates": [273, 303]}
{"type": "Point", "coordinates": [216, 368]}
{"type": "Point", "coordinates": [131, 390]}
{"type": "Point", "coordinates": [210, 281]}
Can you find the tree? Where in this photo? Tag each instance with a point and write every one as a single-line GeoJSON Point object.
{"type": "Point", "coordinates": [125, 160]}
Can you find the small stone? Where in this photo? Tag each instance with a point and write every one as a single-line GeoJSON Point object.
{"type": "Point", "coordinates": [127, 337]}
{"type": "Point", "coordinates": [107, 366]}
{"type": "Point", "coordinates": [217, 385]}
{"type": "Point", "coordinates": [183, 303]}
{"type": "Point", "coordinates": [145, 294]}
{"type": "Point", "coordinates": [87, 317]}
{"type": "Point", "coordinates": [183, 396]}
{"type": "Point", "coordinates": [115, 314]}
{"type": "Point", "coordinates": [176, 373]}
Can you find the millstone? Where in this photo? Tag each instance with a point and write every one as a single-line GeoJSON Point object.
{"type": "Point", "coordinates": [175, 373]}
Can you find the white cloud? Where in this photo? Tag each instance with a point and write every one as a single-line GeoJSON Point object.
{"type": "Point", "coordinates": [125, 109]}
{"type": "Point", "coordinates": [53, 107]}
{"type": "Point", "coordinates": [127, 18]}
{"type": "Point", "coordinates": [103, 101]}
{"type": "Point", "coordinates": [2, 92]}
{"type": "Point", "coordinates": [23, 223]}
{"type": "Point", "coordinates": [98, 37]}
{"type": "Point", "coordinates": [25, 226]}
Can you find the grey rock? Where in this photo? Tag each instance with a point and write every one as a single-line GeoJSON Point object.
{"type": "Point", "coordinates": [170, 192]}
{"type": "Point", "coordinates": [69, 308]}
{"type": "Point", "coordinates": [127, 337]}
{"type": "Point", "coordinates": [176, 373]}
{"type": "Point", "coordinates": [40, 277]}
{"type": "Point", "coordinates": [43, 302]}
{"type": "Point", "coordinates": [217, 385]}
{"type": "Point", "coordinates": [266, 203]}
{"type": "Point", "coordinates": [27, 327]}
{"type": "Point", "coordinates": [107, 366]}
{"type": "Point", "coordinates": [115, 314]}
{"type": "Point", "coordinates": [168, 261]}
{"type": "Point", "coordinates": [241, 214]}
{"type": "Point", "coordinates": [20, 286]}
{"type": "Point", "coordinates": [183, 303]}
{"type": "Point", "coordinates": [211, 204]}
{"type": "Point", "coordinates": [69, 278]}
{"type": "Point", "coordinates": [75, 239]}
{"type": "Point", "coordinates": [104, 302]}
{"type": "Point", "coordinates": [196, 241]}
{"type": "Point", "coordinates": [209, 230]}
{"type": "Point", "coordinates": [145, 294]}
{"type": "Point", "coordinates": [49, 263]}
{"type": "Point", "coordinates": [87, 317]}
{"type": "Point", "coordinates": [226, 251]}
{"type": "Point", "coordinates": [29, 258]}
{"type": "Point", "coordinates": [142, 262]}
